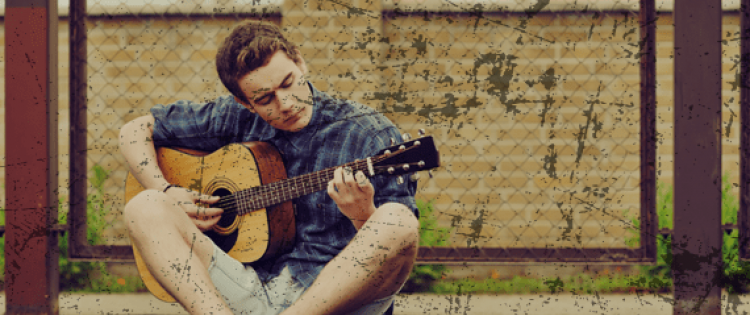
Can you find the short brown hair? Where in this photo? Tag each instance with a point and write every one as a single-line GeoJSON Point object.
{"type": "Point", "coordinates": [249, 47]}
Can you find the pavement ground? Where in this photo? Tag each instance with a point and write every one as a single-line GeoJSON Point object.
{"type": "Point", "coordinates": [418, 304]}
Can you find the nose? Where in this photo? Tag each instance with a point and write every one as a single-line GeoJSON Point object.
{"type": "Point", "coordinates": [286, 101]}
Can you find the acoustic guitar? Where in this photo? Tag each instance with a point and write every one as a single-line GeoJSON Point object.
{"type": "Point", "coordinates": [258, 219]}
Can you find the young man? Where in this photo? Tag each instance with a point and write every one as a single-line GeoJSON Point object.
{"type": "Point", "coordinates": [356, 242]}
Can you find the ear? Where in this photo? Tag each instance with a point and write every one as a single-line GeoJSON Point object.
{"type": "Point", "coordinates": [248, 106]}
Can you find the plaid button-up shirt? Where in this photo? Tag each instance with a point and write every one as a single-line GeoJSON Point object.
{"type": "Point", "coordinates": [340, 131]}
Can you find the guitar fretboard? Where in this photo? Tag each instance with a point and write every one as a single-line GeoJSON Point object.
{"type": "Point", "coordinates": [287, 189]}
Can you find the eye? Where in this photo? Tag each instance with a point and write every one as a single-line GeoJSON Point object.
{"type": "Point", "coordinates": [288, 83]}
{"type": "Point", "coordinates": [269, 98]}
{"type": "Point", "coordinates": [266, 99]}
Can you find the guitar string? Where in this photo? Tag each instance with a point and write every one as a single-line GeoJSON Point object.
{"type": "Point", "coordinates": [285, 184]}
{"type": "Point", "coordinates": [232, 206]}
{"type": "Point", "coordinates": [261, 194]}
{"type": "Point", "coordinates": [263, 198]}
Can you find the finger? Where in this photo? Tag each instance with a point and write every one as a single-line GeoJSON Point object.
{"type": "Point", "coordinates": [211, 211]}
{"type": "Point", "coordinates": [195, 195]}
{"type": "Point", "coordinates": [349, 177]}
{"type": "Point", "coordinates": [361, 180]}
{"type": "Point", "coordinates": [190, 209]}
{"type": "Point", "coordinates": [205, 225]}
{"type": "Point", "coordinates": [202, 226]}
{"type": "Point", "coordinates": [332, 191]}
{"type": "Point", "coordinates": [210, 220]}
{"type": "Point", "coordinates": [208, 199]}
{"type": "Point", "coordinates": [366, 186]}
{"type": "Point", "coordinates": [338, 179]}
{"type": "Point", "coordinates": [198, 210]}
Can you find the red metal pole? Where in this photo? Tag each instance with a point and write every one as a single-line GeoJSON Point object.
{"type": "Point", "coordinates": [31, 248]}
{"type": "Point", "coordinates": [697, 237]}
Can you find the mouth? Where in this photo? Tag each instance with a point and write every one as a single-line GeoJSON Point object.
{"type": "Point", "coordinates": [294, 116]}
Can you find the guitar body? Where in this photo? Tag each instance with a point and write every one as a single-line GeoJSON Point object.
{"type": "Point", "coordinates": [255, 236]}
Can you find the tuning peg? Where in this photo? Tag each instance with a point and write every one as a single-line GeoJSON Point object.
{"type": "Point", "coordinates": [430, 173]}
{"type": "Point", "coordinates": [400, 180]}
{"type": "Point", "coordinates": [421, 164]}
{"type": "Point", "coordinates": [414, 177]}
{"type": "Point", "coordinates": [421, 132]}
{"type": "Point", "coordinates": [393, 141]}
{"type": "Point", "coordinates": [406, 137]}
{"type": "Point", "coordinates": [405, 167]}
{"type": "Point", "coordinates": [391, 170]}
{"type": "Point", "coordinates": [387, 152]}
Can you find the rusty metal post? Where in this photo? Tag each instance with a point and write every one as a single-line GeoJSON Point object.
{"type": "Point", "coordinates": [77, 242]}
{"type": "Point", "coordinates": [79, 248]}
{"type": "Point", "coordinates": [31, 249]}
{"type": "Point", "coordinates": [743, 220]}
{"type": "Point", "coordinates": [647, 18]}
{"type": "Point", "coordinates": [696, 242]}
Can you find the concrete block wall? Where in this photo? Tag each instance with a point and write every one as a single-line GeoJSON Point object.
{"type": "Point", "coordinates": [536, 116]}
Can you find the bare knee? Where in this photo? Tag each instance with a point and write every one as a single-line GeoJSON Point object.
{"type": "Point", "coordinates": [152, 215]}
{"type": "Point", "coordinates": [147, 209]}
{"type": "Point", "coordinates": [397, 225]}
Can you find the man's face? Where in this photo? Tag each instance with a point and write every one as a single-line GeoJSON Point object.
{"type": "Point", "coordinates": [279, 93]}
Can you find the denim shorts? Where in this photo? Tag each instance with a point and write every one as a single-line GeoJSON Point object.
{"type": "Point", "coordinates": [245, 293]}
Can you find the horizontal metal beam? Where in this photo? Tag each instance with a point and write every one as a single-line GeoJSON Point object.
{"type": "Point", "coordinates": [448, 255]}
{"type": "Point", "coordinates": [59, 228]}
{"type": "Point", "coordinates": [727, 228]}
{"type": "Point", "coordinates": [111, 253]}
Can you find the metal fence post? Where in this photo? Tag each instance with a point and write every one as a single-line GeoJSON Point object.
{"type": "Point", "coordinates": [31, 249]}
{"type": "Point", "coordinates": [78, 105]}
{"type": "Point", "coordinates": [696, 242]}
{"type": "Point", "coordinates": [649, 223]}
{"type": "Point", "coordinates": [742, 219]}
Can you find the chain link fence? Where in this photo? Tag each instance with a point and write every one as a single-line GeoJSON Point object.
{"type": "Point", "coordinates": [535, 109]}
{"type": "Point", "coordinates": [538, 116]}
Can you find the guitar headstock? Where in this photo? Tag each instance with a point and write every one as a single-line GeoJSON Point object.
{"type": "Point", "coordinates": [411, 156]}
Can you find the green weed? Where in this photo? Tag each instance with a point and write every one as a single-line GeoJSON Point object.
{"type": "Point", "coordinates": [736, 272]}
{"type": "Point", "coordinates": [422, 277]}
{"type": "Point", "coordinates": [77, 276]}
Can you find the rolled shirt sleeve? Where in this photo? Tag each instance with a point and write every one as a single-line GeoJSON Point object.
{"type": "Point", "coordinates": [200, 126]}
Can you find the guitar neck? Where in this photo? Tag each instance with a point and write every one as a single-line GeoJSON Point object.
{"type": "Point", "coordinates": [415, 155]}
{"type": "Point", "coordinates": [267, 195]}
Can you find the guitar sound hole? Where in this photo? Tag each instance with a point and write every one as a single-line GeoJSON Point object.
{"type": "Point", "coordinates": [227, 218]}
{"type": "Point", "coordinates": [225, 242]}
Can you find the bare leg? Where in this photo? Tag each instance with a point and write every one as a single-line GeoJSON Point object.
{"type": "Point", "coordinates": [175, 251]}
{"type": "Point", "coordinates": [374, 265]}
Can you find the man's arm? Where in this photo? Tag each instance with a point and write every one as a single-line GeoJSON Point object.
{"type": "Point", "coordinates": [137, 145]}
